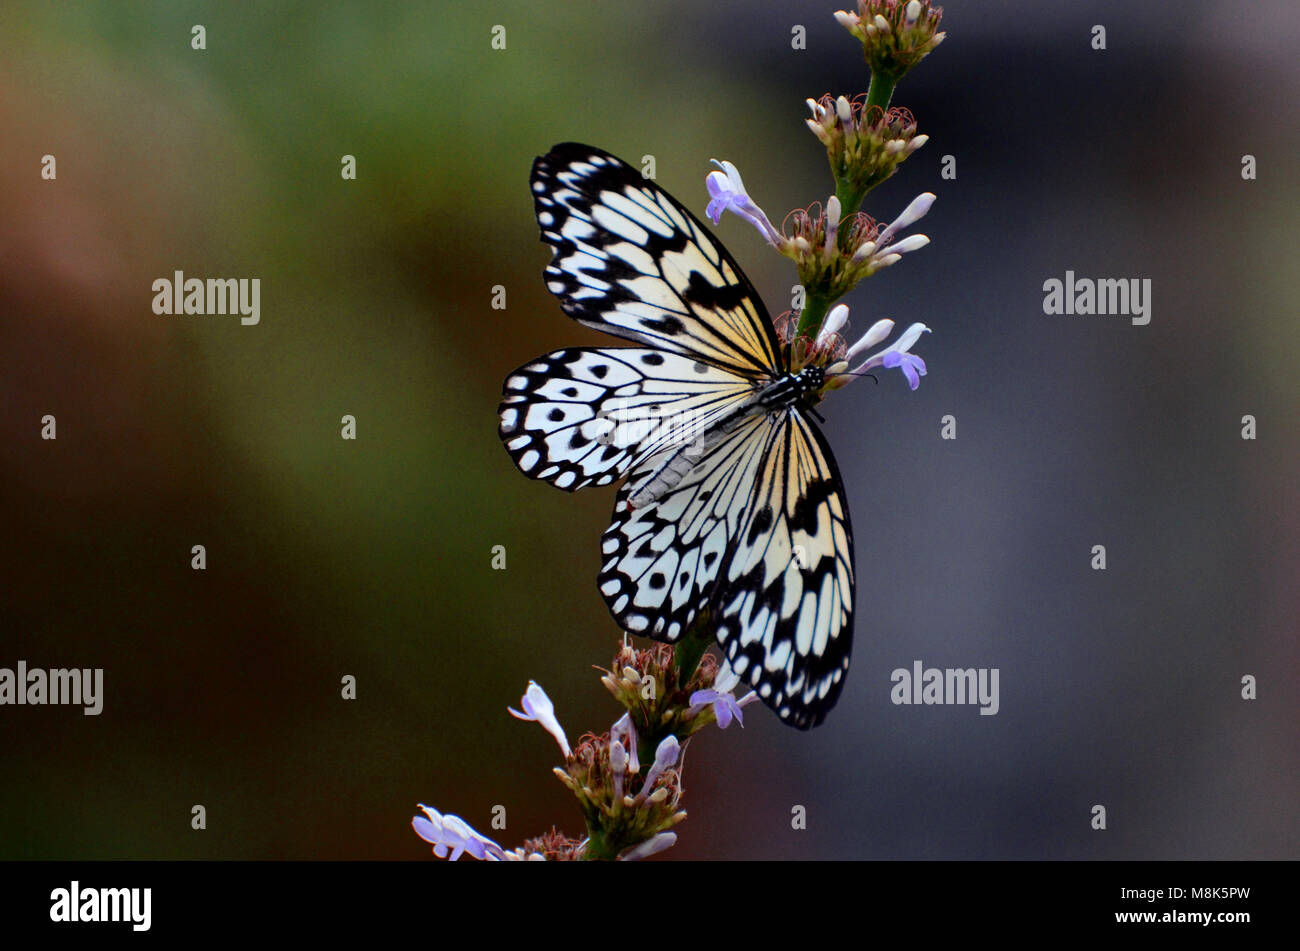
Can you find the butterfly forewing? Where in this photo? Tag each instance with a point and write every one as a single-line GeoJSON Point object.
{"type": "Point", "coordinates": [631, 261]}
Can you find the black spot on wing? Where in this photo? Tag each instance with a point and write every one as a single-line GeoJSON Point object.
{"type": "Point", "coordinates": [615, 269]}
{"type": "Point", "coordinates": [762, 523]}
{"type": "Point", "coordinates": [704, 293]}
{"type": "Point", "coordinates": [816, 493]}
{"type": "Point", "coordinates": [671, 326]}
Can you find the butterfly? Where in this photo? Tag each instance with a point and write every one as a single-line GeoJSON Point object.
{"type": "Point", "coordinates": [731, 502]}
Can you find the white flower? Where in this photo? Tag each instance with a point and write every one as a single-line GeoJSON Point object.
{"type": "Point", "coordinates": [650, 846]}
{"type": "Point", "coordinates": [834, 321]}
{"type": "Point", "coordinates": [624, 730]}
{"type": "Point", "coordinates": [618, 766]}
{"type": "Point", "coordinates": [832, 222]}
{"type": "Point", "coordinates": [913, 213]}
{"type": "Point", "coordinates": [882, 252]}
{"type": "Point", "coordinates": [880, 330]}
{"type": "Point", "coordinates": [538, 708]}
{"type": "Point", "coordinates": [847, 20]}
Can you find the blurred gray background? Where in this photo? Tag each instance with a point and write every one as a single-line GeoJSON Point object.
{"type": "Point", "coordinates": [372, 558]}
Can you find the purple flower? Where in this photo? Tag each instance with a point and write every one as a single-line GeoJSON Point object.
{"type": "Point", "coordinates": [452, 834]}
{"type": "Point", "coordinates": [725, 705]}
{"type": "Point", "coordinates": [728, 193]}
{"type": "Point", "coordinates": [896, 355]}
{"type": "Point", "coordinates": [913, 367]}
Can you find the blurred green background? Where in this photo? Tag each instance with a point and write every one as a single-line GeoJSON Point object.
{"type": "Point", "coordinates": [372, 558]}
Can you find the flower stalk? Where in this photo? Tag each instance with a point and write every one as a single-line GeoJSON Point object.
{"type": "Point", "coordinates": [836, 248]}
{"type": "Point", "coordinates": [627, 781]}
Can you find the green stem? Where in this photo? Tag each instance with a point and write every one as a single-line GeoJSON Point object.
{"type": "Point", "coordinates": [881, 89]}
{"type": "Point", "coordinates": [813, 313]}
{"type": "Point", "coordinates": [850, 204]}
{"type": "Point", "coordinates": [851, 199]}
{"type": "Point", "coordinates": [596, 849]}
{"type": "Point", "coordinates": [645, 749]}
{"type": "Point", "coordinates": [689, 651]}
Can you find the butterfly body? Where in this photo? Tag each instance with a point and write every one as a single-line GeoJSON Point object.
{"type": "Point", "coordinates": [792, 388]}
{"type": "Point", "coordinates": [731, 508]}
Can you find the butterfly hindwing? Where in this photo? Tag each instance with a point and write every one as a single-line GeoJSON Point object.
{"type": "Point", "coordinates": [631, 261]}
{"type": "Point", "coordinates": [758, 534]}
{"type": "Point", "coordinates": [661, 560]}
{"type": "Point", "coordinates": [784, 606]}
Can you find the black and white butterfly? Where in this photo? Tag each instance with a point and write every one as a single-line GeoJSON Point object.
{"type": "Point", "coordinates": [732, 503]}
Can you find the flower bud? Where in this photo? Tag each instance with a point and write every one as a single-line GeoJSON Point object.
{"type": "Point", "coordinates": [895, 36]}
